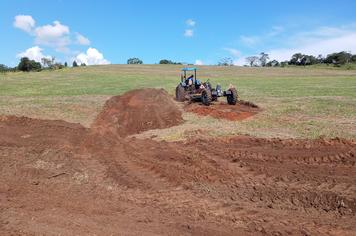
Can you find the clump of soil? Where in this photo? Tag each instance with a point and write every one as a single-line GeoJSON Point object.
{"type": "Point", "coordinates": [242, 110]}
{"type": "Point", "coordinates": [137, 111]}
{"type": "Point", "coordinates": [248, 103]}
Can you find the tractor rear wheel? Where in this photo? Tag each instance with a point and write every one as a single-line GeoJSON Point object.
{"type": "Point", "coordinates": [232, 97]}
{"type": "Point", "coordinates": [180, 93]}
{"type": "Point", "coordinates": [206, 97]}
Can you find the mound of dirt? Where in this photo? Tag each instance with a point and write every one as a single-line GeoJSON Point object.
{"type": "Point", "coordinates": [24, 131]}
{"type": "Point", "coordinates": [137, 111]}
{"type": "Point", "coordinates": [240, 111]}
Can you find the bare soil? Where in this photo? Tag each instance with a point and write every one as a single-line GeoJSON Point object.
{"type": "Point", "coordinates": [137, 111]}
{"type": "Point", "coordinates": [221, 110]}
{"type": "Point", "coordinates": [59, 178]}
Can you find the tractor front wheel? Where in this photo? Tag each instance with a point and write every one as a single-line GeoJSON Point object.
{"type": "Point", "coordinates": [232, 97]}
{"type": "Point", "coordinates": [180, 93]}
{"type": "Point", "coordinates": [206, 97]}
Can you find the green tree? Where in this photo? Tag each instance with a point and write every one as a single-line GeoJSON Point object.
{"type": "Point", "coordinates": [253, 60]}
{"type": "Point", "coordinates": [28, 65]}
{"type": "Point", "coordinates": [339, 58]}
{"type": "Point", "coordinates": [263, 58]}
{"type": "Point", "coordinates": [296, 59]}
{"type": "Point", "coordinates": [3, 68]}
{"type": "Point", "coordinates": [300, 59]}
{"type": "Point", "coordinates": [272, 63]}
{"type": "Point", "coordinates": [75, 64]}
{"type": "Point", "coordinates": [83, 64]}
{"type": "Point", "coordinates": [35, 66]}
{"type": "Point", "coordinates": [57, 66]}
{"type": "Point", "coordinates": [275, 63]}
{"type": "Point", "coordinates": [65, 64]}
{"type": "Point", "coordinates": [226, 61]}
{"type": "Point", "coordinates": [284, 63]}
{"type": "Point", "coordinates": [134, 60]}
{"type": "Point", "coordinates": [24, 64]}
{"type": "Point", "coordinates": [308, 60]}
{"type": "Point", "coordinates": [165, 61]}
{"type": "Point", "coordinates": [46, 62]}
{"type": "Point", "coordinates": [320, 58]}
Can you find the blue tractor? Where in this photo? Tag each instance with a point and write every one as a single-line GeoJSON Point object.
{"type": "Point", "coordinates": [190, 88]}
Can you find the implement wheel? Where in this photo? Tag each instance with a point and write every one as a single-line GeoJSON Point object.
{"type": "Point", "coordinates": [232, 97]}
{"type": "Point", "coordinates": [206, 97]}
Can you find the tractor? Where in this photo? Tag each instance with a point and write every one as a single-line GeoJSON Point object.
{"type": "Point", "coordinates": [190, 88]}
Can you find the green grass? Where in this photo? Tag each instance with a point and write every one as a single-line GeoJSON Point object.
{"type": "Point", "coordinates": [297, 102]}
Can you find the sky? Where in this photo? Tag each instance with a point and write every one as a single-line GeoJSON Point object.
{"type": "Point", "coordinates": [198, 32]}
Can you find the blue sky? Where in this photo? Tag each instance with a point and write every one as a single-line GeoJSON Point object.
{"type": "Point", "coordinates": [201, 32]}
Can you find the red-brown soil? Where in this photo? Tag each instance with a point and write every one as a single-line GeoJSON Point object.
{"type": "Point", "coordinates": [222, 110]}
{"type": "Point", "coordinates": [137, 111]}
{"type": "Point", "coordinates": [58, 178]}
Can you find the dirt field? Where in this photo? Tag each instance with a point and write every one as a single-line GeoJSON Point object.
{"type": "Point", "coordinates": [59, 178]}
{"type": "Point", "coordinates": [221, 110]}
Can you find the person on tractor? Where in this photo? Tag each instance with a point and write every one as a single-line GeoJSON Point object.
{"type": "Point", "coordinates": [189, 80]}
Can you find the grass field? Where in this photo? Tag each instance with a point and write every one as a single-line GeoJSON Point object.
{"type": "Point", "coordinates": [296, 102]}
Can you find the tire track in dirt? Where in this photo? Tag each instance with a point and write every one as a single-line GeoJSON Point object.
{"type": "Point", "coordinates": [310, 193]}
{"type": "Point", "coordinates": [296, 197]}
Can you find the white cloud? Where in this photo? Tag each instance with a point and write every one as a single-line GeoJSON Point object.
{"type": "Point", "coordinates": [190, 22]}
{"type": "Point", "coordinates": [258, 40]}
{"type": "Point", "coordinates": [234, 52]}
{"type": "Point", "coordinates": [92, 57]}
{"type": "Point", "coordinates": [249, 41]}
{"type": "Point", "coordinates": [276, 30]}
{"type": "Point", "coordinates": [56, 36]}
{"type": "Point", "coordinates": [324, 40]}
{"type": "Point", "coordinates": [59, 37]}
{"type": "Point", "coordinates": [52, 31]}
{"type": "Point", "coordinates": [237, 58]}
{"type": "Point", "coordinates": [241, 61]}
{"type": "Point", "coordinates": [34, 53]}
{"type": "Point", "coordinates": [24, 22]}
{"type": "Point", "coordinates": [326, 31]}
{"type": "Point", "coordinates": [199, 62]}
{"type": "Point", "coordinates": [188, 33]}
{"type": "Point", "coordinates": [82, 40]}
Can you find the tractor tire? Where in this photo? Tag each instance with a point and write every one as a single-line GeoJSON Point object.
{"type": "Point", "coordinates": [206, 97]}
{"type": "Point", "coordinates": [180, 93]}
{"type": "Point", "coordinates": [233, 97]}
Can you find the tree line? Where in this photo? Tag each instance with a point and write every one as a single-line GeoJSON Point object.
{"type": "Point", "coordinates": [262, 60]}
{"type": "Point", "coordinates": [300, 59]}
{"type": "Point", "coordinates": [135, 60]}
{"type": "Point", "coordinates": [27, 65]}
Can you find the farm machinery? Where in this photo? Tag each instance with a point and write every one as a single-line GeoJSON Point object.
{"type": "Point", "coordinates": [190, 88]}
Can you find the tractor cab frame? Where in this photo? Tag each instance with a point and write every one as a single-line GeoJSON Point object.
{"type": "Point", "coordinates": [183, 75]}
